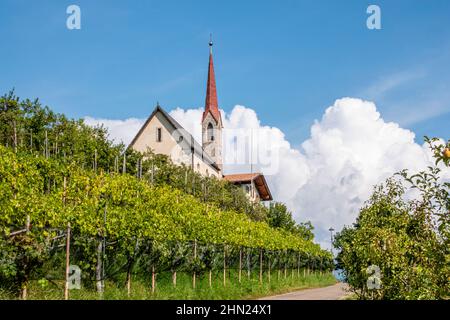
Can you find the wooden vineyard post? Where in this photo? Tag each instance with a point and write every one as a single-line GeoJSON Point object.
{"type": "Point", "coordinates": [174, 278]}
{"type": "Point", "coordinates": [260, 266]}
{"type": "Point", "coordinates": [248, 263]}
{"type": "Point", "coordinates": [278, 266]}
{"type": "Point", "coordinates": [139, 173]}
{"type": "Point", "coordinates": [24, 289]}
{"type": "Point", "coordinates": [224, 265]}
{"type": "Point", "coordinates": [229, 273]}
{"type": "Point", "coordinates": [210, 278]}
{"type": "Point", "coordinates": [195, 261]}
{"type": "Point", "coordinates": [66, 287]}
{"type": "Point", "coordinates": [95, 161]}
{"type": "Point", "coordinates": [240, 264]}
{"type": "Point", "coordinates": [137, 168]}
{"type": "Point", "coordinates": [15, 136]}
{"type": "Point", "coordinates": [174, 273]}
{"type": "Point", "coordinates": [104, 248]}
{"type": "Point", "coordinates": [269, 267]}
{"type": "Point", "coordinates": [21, 139]}
{"type": "Point", "coordinates": [292, 273]}
{"type": "Point", "coordinates": [152, 176]}
{"type": "Point", "coordinates": [298, 266]}
{"type": "Point", "coordinates": [128, 282]}
{"type": "Point", "coordinates": [153, 279]}
{"type": "Point", "coordinates": [130, 268]}
{"type": "Point", "coordinates": [203, 191]}
{"type": "Point", "coordinates": [46, 144]}
{"type": "Point", "coordinates": [64, 190]}
{"type": "Point", "coordinates": [124, 165]}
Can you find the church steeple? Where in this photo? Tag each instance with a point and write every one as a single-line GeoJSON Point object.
{"type": "Point", "coordinates": [211, 104]}
{"type": "Point", "coordinates": [211, 120]}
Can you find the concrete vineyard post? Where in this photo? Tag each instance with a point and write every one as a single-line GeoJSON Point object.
{"type": "Point", "coordinates": [66, 287]}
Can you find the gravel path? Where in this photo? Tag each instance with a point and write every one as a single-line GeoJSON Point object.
{"type": "Point", "coordinates": [334, 292]}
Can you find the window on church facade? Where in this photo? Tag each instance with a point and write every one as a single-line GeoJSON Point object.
{"type": "Point", "coordinates": [158, 135]}
{"type": "Point", "coordinates": [210, 132]}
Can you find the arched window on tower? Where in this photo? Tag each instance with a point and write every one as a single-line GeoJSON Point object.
{"type": "Point", "coordinates": [210, 132]}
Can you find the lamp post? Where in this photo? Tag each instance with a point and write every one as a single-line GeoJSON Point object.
{"type": "Point", "coordinates": [331, 238]}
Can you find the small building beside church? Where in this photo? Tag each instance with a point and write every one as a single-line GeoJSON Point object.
{"type": "Point", "coordinates": [164, 135]}
{"type": "Point", "coordinates": [254, 184]}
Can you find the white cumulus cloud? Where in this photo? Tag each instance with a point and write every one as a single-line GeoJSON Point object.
{"type": "Point", "coordinates": [329, 177]}
{"type": "Point", "coordinates": [119, 130]}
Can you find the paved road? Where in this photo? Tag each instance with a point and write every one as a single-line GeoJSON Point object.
{"type": "Point", "coordinates": [334, 292]}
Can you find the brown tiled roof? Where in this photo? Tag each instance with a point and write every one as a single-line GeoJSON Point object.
{"type": "Point", "coordinates": [257, 178]}
{"type": "Point", "coordinates": [241, 177]}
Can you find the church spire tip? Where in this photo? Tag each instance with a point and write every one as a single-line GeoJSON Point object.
{"type": "Point", "coordinates": [211, 104]}
{"type": "Point", "coordinates": [211, 43]}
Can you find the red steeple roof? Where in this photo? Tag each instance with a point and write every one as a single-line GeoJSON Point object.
{"type": "Point", "coordinates": [211, 104]}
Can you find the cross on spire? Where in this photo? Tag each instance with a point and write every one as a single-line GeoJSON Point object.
{"type": "Point", "coordinates": [211, 43]}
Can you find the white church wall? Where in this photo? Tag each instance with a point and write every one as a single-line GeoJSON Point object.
{"type": "Point", "coordinates": [148, 137]}
{"type": "Point", "coordinates": [178, 151]}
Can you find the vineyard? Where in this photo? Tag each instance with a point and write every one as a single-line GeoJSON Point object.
{"type": "Point", "coordinates": [69, 196]}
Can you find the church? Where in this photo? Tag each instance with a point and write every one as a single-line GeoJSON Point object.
{"type": "Point", "coordinates": [164, 135]}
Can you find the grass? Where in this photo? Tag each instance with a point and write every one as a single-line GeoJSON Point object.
{"type": "Point", "coordinates": [249, 288]}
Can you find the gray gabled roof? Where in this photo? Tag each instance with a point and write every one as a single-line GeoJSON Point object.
{"type": "Point", "coordinates": [197, 148]}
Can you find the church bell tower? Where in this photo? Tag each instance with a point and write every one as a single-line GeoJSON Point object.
{"type": "Point", "coordinates": [212, 120]}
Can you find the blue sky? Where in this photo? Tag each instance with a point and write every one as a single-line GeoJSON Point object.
{"type": "Point", "coordinates": [288, 60]}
